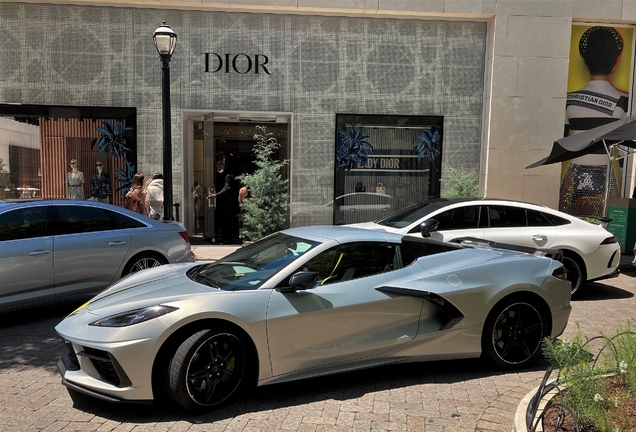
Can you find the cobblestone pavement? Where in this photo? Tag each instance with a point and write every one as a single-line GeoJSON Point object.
{"type": "Point", "coordinates": [428, 397]}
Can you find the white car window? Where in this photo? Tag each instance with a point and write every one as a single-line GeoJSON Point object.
{"type": "Point", "coordinates": [458, 218]}
{"type": "Point", "coordinates": [506, 216]}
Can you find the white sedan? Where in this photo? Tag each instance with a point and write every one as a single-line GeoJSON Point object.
{"type": "Point", "coordinates": [590, 251]}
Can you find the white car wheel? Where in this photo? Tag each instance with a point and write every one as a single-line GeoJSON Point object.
{"type": "Point", "coordinates": [576, 274]}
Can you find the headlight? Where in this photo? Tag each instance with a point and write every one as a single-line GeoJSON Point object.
{"type": "Point", "coordinates": [132, 317]}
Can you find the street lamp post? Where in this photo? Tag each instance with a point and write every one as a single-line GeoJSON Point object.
{"type": "Point", "coordinates": [165, 42]}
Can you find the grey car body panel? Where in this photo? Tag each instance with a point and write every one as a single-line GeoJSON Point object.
{"type": "Point", "coordinates": [102, 252]}
{"type": "Point", "coordinates": [80, 265]}
{"type": "Point", "coordinates": [339, 322]}
{"type": "Point", "coordinates": [326, 329]}
{"type": "Point", "coordinates": [26, 267]}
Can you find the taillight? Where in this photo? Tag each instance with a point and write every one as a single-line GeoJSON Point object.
{"type": "Point", "coordinates": [560, 273]}
{"type": "Point", "coordinates": [609, 240]}
{"type": "Point", "coordinates": [185, 236]}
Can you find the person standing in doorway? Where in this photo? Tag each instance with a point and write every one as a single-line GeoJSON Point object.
{"type": "Point", "coordinates": [224, 202]}
{"type": "Point", "coordinates": [154, 197]}
{"type": "Point", "coordinates": [100, 185]}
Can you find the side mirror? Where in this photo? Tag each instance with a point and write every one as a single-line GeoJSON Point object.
{"type": "Point", "coordinates": [428, 226]}
{"type": "Point", "coordinates": [301, 281]}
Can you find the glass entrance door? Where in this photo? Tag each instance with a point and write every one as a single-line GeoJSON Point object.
{"type": "Point", "coordinates": [209, 205]}
{"type": "Point", "coordinates": [230, 140]}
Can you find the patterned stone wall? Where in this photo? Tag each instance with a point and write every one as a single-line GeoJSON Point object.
{"type": "Point", "coordinates": [320, 66]}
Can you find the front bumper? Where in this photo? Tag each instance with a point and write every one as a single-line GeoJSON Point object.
{"type": "Point", "coordinates": [63, 366]}
{"type": "Point", "coordinates": [111, 364]}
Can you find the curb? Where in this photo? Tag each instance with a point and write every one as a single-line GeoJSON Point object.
{"type": "Point", "coordinates": [520, 415]}
{"type": "Point", "coordinates": [519, 424]}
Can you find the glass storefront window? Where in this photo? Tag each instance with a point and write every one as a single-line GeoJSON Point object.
{"type": "Point", "coordinates": [384, 164]}
{"type": "Point", "coordinates": [38, 144]}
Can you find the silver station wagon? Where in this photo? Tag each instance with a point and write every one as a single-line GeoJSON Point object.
{"type": "Point", "coordinates": [62, 250]}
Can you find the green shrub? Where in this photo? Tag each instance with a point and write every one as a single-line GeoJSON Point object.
{"type": "Point", "coordinates": [460, 183]}
{"type": "Point", "coordinates": [585, 375]}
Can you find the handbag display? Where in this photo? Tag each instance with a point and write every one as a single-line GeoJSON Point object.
{"type": "Point", "coordinates": [360, 188]}
{"type": "Point", "coordinates": [380, 189]}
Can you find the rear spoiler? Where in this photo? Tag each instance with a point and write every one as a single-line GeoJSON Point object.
{"type": "Point", "coordinates": [555, 254]}
{"type": "Point", "coordinates": [603, 221]}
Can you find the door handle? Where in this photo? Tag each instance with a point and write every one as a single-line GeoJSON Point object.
{"type": "Point", "coordinates": [539, 237]}
{"type": "Point", "coordinates": [39, 252]}
{"type": "Point", "coordinates": [116, 243]}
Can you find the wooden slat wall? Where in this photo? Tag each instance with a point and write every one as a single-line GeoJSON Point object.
{"type": "Point", "coordinates": [65, 139]}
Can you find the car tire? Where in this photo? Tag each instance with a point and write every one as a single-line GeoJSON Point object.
{"type": "Point", "coordinates": [142, 262]}
{"type": "Point", "coordinates": [513, 333]}
{"type": "Point", "coordinates": [576, 273]}
{"type": "Point", "coordinates": [209, 359]}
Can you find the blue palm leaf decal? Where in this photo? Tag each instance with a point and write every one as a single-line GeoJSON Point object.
{"type": "Point", "coordinates": [125, 178]}
{"type": "Point", "coordinates": [111, 139]}
{"type": "Point", "coordinates": [429, 145]}
{"type": "Point", "coordinates": [353, 147]}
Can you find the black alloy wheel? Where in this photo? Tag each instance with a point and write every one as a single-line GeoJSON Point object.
{"type": "Point", "coordinates": [574, 273]}
{"type": "Point", "coordinates": [207, 370]}
{"type": "Point", "coordinates": [513, 334]}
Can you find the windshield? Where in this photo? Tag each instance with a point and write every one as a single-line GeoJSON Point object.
{"type": "Point", "coordinates": [250, 267]}
{"type": "Point", "coordinates": [409, 215]}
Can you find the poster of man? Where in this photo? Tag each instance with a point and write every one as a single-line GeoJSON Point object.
{"type": "Point", "coordinates": [599, 82]}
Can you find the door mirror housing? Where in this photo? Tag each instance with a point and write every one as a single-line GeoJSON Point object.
{"type": "Point", "coordinates": [301, 281]}
{"type": "Point", "coordinates": [428, 226]}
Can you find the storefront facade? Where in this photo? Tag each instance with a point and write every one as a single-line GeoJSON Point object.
{"type": "Point", "coordinates": [491, 75]}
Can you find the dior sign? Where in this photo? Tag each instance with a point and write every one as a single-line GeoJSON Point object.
{"type": "Point", "coordinates": [237, 63]}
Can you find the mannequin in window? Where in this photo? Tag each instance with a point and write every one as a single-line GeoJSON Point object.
{"type": "Point", "coordinates": [75, 182]}
{"type": "Point", "coordinates": [101, 189]}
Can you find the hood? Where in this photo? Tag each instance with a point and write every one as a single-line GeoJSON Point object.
{"type": "Point", "coordinates": [154, 286]}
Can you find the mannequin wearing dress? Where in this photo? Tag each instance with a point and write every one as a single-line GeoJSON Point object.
{"type": "Point", "coordinates": [75, 182]}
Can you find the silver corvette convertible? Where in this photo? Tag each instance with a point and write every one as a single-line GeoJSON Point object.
{"type": "Point", "coordinates": [307, 302]}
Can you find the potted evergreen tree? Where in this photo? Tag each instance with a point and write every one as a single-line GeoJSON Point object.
{"type": "Point", "coordinates": [267, 211]}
